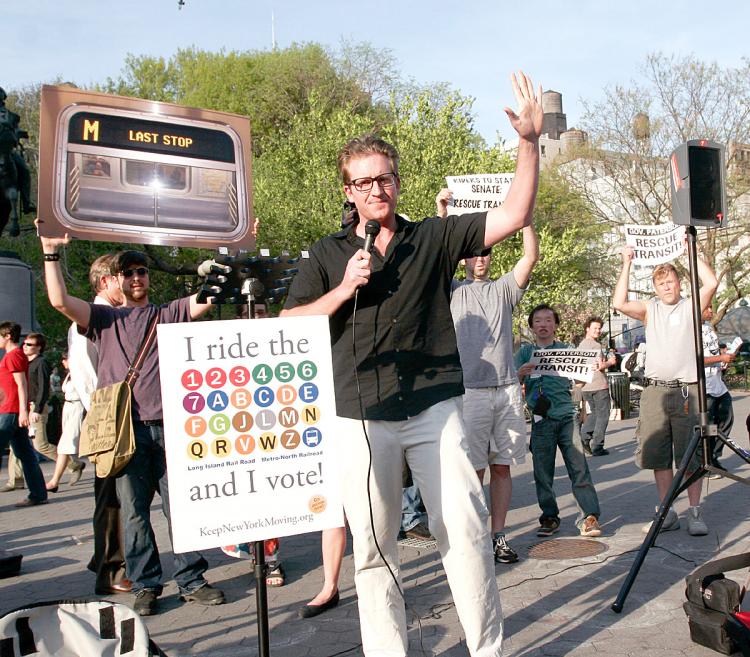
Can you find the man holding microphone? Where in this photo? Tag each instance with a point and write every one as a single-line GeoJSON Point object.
{"type": "Point", "coordinates": [398, 377]}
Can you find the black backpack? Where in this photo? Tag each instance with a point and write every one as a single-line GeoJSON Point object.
{"type": "Point", "coordinates": [713, 606]}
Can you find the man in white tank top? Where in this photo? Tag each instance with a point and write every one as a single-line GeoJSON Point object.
{"type": "Point", "coordinates": [669, 403]}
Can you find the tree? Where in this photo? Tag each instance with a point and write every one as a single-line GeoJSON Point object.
{"type": "Point", "coordinates": [298, 193]}
{"type": "Point", "coordinates": [269, 87]}
{"type": "Point", "coordinates": [574, 271]}
{"type": "Point", "coordinates": [623, 173]}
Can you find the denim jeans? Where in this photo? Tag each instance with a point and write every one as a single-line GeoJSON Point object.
{"type": "Point", "coordinates": [546, 436]}
{"type": "Point", "coordinates": [411, 508]}
{"type": "Point", "coordinates": [721, 414]}
{"type": "Point", "coordinates": [18, 438]}
{"type": "Point", "coordinates": [595, 426]}
{"type": "Point", "coordinates": [144, 475]}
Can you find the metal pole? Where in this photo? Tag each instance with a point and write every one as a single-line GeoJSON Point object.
{"type": "Point", "coordinates": [261, 593]}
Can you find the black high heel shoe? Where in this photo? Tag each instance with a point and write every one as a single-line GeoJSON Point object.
{"type": "Point", "coordinates": [310, 611]}
{"type": "Point", "coordinates": [52, 490]}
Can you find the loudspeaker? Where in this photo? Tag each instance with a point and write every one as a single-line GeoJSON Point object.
{"type": "Point", "coordinates": [698, 173]}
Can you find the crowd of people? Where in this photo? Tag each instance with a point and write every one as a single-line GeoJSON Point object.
{"type": "Point", "coordinates": [440, 389]}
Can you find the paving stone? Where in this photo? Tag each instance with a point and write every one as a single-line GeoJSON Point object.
{"type": "Point", "coordinates": [555, 607]}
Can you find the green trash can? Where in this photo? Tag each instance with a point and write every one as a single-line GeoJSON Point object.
{"type": "Point", "coordinates": [619, 390]}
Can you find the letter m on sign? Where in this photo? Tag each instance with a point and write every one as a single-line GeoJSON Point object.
{"type": "Point", "coordinates": [90, 130]}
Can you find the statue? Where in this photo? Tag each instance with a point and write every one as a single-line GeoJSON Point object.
{"type": "Point", "coordinates": [15, 178]}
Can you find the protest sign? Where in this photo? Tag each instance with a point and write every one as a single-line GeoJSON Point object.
{"type": "Point", "coordinates": [734, 345]}
{"type": "Point", "coordinates": [248, 425]}
{"type": "Point", "coordinates": [655, 245]}
{"type": "Point", "coordinates": [479, 192]}
{"type": "Point", "coordinates": [569, 363]}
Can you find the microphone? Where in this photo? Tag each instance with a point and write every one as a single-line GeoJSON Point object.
{"type": "Point", "coordinates": [212, 267]}
{"type": "Point", "coordinates": [372, 228]}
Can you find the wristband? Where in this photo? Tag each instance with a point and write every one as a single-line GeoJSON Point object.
{"type": "Point", "coordinates": [51, 257]}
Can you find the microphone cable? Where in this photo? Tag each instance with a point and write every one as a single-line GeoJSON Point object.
{"type": "Point", "coordinates": [372, 228]}
{"type": "Point", "coordinates": [369, 448]}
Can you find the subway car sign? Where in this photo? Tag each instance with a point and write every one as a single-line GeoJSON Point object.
{"type": "Point", "coordinates": [123, 169]}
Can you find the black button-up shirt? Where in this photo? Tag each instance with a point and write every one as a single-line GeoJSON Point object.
{"type": "Point", "coordinates": [406, 353]}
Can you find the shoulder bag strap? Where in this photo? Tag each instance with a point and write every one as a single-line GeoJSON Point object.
{"type": "Point", "coordinates": [724, 565]}
{"type": "Point", "coordinates": [148, 341]}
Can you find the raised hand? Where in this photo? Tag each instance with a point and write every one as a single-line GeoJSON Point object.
{"type": "Point", "coordinates": [527, 121]}
{"type": "Point", "coordinates": [441, 202]}
{"type": "Point", "coordinates": [51, 244]}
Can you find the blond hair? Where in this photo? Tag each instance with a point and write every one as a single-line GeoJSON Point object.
{"type": "Point", "coordinates": [662, 271]}
{"type": "Point", "coordinates": [365, 145]}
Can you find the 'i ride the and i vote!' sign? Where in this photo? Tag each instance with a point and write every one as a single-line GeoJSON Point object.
{"type": "Point", "coordinates": [249, 417]}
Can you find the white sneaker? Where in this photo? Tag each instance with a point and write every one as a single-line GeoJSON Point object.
{"type": "Point", "coordinates": [696, 526]}
{"type": "Point", "coordinates": [671, 522]}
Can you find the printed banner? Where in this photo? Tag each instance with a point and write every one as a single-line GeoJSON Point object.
{"type": "Point", "coordinates": [248, 421]}
{"type": "Point", "coordinates": [569, 363]}
{"type": "Point", "coordinates": [478, 193]}
{"type": "Point", "coordinates": [733, 346]}
{"type": "Point", "coordinates": [655, 245]}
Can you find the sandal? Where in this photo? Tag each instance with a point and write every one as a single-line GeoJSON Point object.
{"type": "Point", "coordinates": [275, 577]}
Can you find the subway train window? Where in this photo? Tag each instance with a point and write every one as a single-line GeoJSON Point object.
{"type": "Point", "coordinates": [177, 176]}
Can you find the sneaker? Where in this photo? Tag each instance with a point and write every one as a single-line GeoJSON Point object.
{"type": "Point", "coordinates": [548, 526]}
{"type": "Point", "coordinates": [504, 553]}
{"type": "Point", "coordinates": [718, 466]}
{"type": "Point", "coordinates": [145, 602]}
{"type": "Point", "coordinates": [587, 446]}
{"type": "Point", "coordinates": [671, 522]}
{"type": "Point", "coordinates": [590, 525]}
{"type": "Point", "coordinates": [205, 595]}
{"type": "Point", "coordinates": [696, 525]}
{"type": "Point", "coordinates": [600, 451]}
{"type": "Point", "coordinates": [420, 531]}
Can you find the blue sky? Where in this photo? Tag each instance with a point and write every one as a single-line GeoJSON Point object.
{"type": "Point", "coordinates": [576, 48]}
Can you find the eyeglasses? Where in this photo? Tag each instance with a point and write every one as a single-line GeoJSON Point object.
{"type": "Point", "coordinates": [384, 180]}
{"type": "Point", "coordinates": [141, 271]}
{"type": "Point", "coordinates": [30, 344]}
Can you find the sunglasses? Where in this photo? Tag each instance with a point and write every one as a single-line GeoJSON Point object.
{"type": "Point", "coordinates": [141, 271]}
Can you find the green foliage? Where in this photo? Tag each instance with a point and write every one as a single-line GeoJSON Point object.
{"type": "Point", "coordinates": [573, 272]}
{"type": "Point", "coordinates": [304, 104]}
{"type": "Point", "coordinates": [434, 141]}
{"type": "Point", "coordinates": [269, 87]}
{"type": "Point", "coordinates": [297, 193]}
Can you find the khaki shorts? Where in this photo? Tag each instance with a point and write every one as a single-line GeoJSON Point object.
{"type": "Point", "coordinates": [665, 427]}
{"type": "Point", "coordinates": [495, 426]}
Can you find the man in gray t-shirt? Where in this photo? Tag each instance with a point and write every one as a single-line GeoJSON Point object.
{"type": "Point", "coordinates": [482, 312]}
{"type": "Point", "coordinates": [119, 333]}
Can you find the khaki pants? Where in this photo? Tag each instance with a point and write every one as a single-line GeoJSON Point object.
{"type": "Point", "coordinates": [434, 446]}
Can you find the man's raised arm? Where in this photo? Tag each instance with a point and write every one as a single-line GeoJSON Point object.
{"type": "Point", "coordinates": [75, 309]}
{"type": "Point", "coordinates": [634, 309]}
{"type": "Point", "coordinates": [527, 262]}
{"type": "Point", "coordinates": [516, 211]}
{"type": "Point", "coordinates": [709, 282]}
